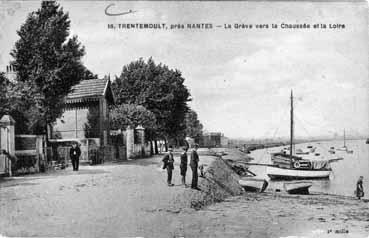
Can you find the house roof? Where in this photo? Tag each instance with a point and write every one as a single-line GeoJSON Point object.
{"type": "Point", "coordinates": [90, 90]}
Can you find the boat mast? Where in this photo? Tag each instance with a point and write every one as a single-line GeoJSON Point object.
{"type": "Point", "coordinates": [344, 138]}
{"type": "Point", "coordinates": [291, 126]}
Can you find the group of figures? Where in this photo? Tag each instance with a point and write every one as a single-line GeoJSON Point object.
{"type": "Point", "coordinates": [168, 161]}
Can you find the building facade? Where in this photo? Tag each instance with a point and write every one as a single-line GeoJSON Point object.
{"type": "Point", "coordinates": [86, 112]}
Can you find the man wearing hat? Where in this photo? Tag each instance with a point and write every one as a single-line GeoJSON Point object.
{"type": "Point", "coordinates": [74, 153]}
{"type": "Point", "coordinates": [194, 166]}
{"type": "Point", "coordinates": [169, 165]}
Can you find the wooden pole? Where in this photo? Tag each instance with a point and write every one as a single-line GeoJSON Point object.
{"type": "Point", "coordinates": [76, 123]}
{"type": "Point", "coordinates": [291, 128]}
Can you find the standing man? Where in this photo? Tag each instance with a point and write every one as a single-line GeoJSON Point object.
{"type": "Point", "coordinates": [359, 188]}
{"type": "Point", "coordinates": [74, 153]}
{"type": "Point", "coordinates": [183, 165]}
{"type": "Point", "coordinates": [169, 165]}
{"type": "Point", "coordinates": [194, 165]}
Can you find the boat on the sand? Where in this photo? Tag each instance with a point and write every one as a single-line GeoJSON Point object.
{"type": "Point", "coordinates": [298, 187]}
{"type": "Point", "coordinates": [253, 184]}
{"type": "Point", "coordinates": [288, 165]}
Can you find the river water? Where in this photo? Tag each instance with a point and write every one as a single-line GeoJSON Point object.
{"type": "Point", "coordinates": [345, 172]}
{"type": "Point", "coordinates": [274, 215]}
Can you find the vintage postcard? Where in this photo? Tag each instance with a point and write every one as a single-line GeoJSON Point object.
{"type": "Point", "coordinates": [184, 118]}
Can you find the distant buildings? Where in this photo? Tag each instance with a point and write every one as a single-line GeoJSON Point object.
{"type": "Point", "coordinates": [213, 139]}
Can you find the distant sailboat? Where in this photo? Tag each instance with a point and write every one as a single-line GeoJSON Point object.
{"type": "Point", "coordinates": [344, 147]}
{"type": "Point", "coordinates": [286, 165]}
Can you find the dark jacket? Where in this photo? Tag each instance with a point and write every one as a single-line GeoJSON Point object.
{"type": "Point", "coordinates": [194, 159]}
{"type": "Point", "coordinates": [75, 152]}
{"type": "Point", "coordinates": [168, 161]}
{"type": "Point", "coordinates": [359, 189]}
{"type": "Point", "coordinates": [183, 164]}
{"type": "Point", "coordinates": [184, 160]}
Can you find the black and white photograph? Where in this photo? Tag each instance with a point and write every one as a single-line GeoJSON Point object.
{"type": "Point", "coordinates": [183, 119]}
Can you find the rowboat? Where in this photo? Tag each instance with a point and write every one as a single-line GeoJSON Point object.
{"type": "Point", "coordinates": [253, 184]}
{"type": "Point", "coordinates": [297, 187]}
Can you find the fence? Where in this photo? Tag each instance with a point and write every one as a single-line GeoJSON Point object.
{"type": "Point", "coordinates": [30, 154]}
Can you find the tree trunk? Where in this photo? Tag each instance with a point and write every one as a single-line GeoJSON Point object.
{"type": "Point", "coordinates": [47, 135]}
{"type": "Point", "coordinates": [166, 145]}
{"type": "Point", "coordinates": [156, 147]}
{"type": "Point", "coordinates": [151, 148]}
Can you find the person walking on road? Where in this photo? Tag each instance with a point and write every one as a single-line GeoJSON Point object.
{"type": "Point", "coordinates": [194, 163]}
{"type": "Point", "coordinates": [74, 153]}
{"type": "Point", "coordinates": [169, 165]}
{"type": "Point", "coordinates": [359, 188]}
{"type": "Point", "coordinates": [183, 166]}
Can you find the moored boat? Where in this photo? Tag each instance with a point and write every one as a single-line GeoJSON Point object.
{"type": "Point", "coordinates": [288, 165]}
{"type": "Point", "coordinates": [344, 147]}
{"type": "Point", "coordinates": [298, 187]}
{"type": "Point", "coordinates": [276, 173]}
{"type": "Point", "coordinates": [253, 184]}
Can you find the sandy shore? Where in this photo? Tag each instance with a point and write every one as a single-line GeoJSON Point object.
{"type": "Point", "coordinates": [132, 199]}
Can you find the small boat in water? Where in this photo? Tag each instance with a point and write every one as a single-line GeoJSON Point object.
{"type": "Point", "coordinates": [344, 147]}
{"type": "Point", "coordinates": [299, 187]}
{"type": "Point", "coordinates": [253, 184]}
{"type": "Point", "coordinates": [332, 150]}
{"type": "Point", "coordinates": [276, 173]}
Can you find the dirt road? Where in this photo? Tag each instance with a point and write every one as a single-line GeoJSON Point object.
{"type": "Point", "coordinates": [132, 199]}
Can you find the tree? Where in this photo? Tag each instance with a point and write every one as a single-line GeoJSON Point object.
{"type": "Point", "coordinates": [13, 101]}
{"type": "Point", "coordinates": [48, 63]}
{"type": "Point", "coordinates": [132, 115]}
{"type": "Point", "coordinates": [91, 127]}
{"type": "Point", "coordinates": [193, 126]}
{"type": "Point", "coordinates": [4, 100]}
{"type": "Point", "coordinates": [157, 88]}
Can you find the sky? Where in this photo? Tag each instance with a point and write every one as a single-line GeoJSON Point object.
{"type": "Point", "coordinates": [240, 79]}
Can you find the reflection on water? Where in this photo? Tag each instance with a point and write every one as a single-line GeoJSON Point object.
{"type": "Point", "coordinates": [345, 172]}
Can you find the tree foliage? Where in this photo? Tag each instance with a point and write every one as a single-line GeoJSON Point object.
{"type": "Point", "coordinates": [91, 127]}
{"type": "Point", "coordinates": [13, 101]}
{"type": "Point", "coordinates": [47, 62]}
{"type": "Point", "coordinates": [157, 88]}
{"type": "Point", "coordinates": [193, 125]}
{"type": "Point", "coordinates": [132, 115]}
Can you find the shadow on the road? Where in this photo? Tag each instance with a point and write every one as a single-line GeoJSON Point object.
{"type": "Point", "coordinates": [25, 179]}
{"type": "Point", "coordinates": [141, 162]}
{"type": "Point", "coordinates": [19, 184]}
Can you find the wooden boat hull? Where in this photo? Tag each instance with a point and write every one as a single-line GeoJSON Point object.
{"type": "Point", "coordinates": [276, 173]}
{"type": "Point", "coordinates": [253, 184]}
{"type": "Point", "coordinates": [297, 187]}
{"type": "Point", "coordinates": [342, 149]}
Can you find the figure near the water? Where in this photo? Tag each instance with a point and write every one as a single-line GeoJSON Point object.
{"type": "Point", "coordinates": [194, 166]}
{"type": "Point", "coordinates": [359, 188]}
{"type": "Point", "coordinates": [169, 165]}
{"type": "Point", "coordinates": [74, 153]}
{"type": "Point", "coordinates": [183, 165]}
